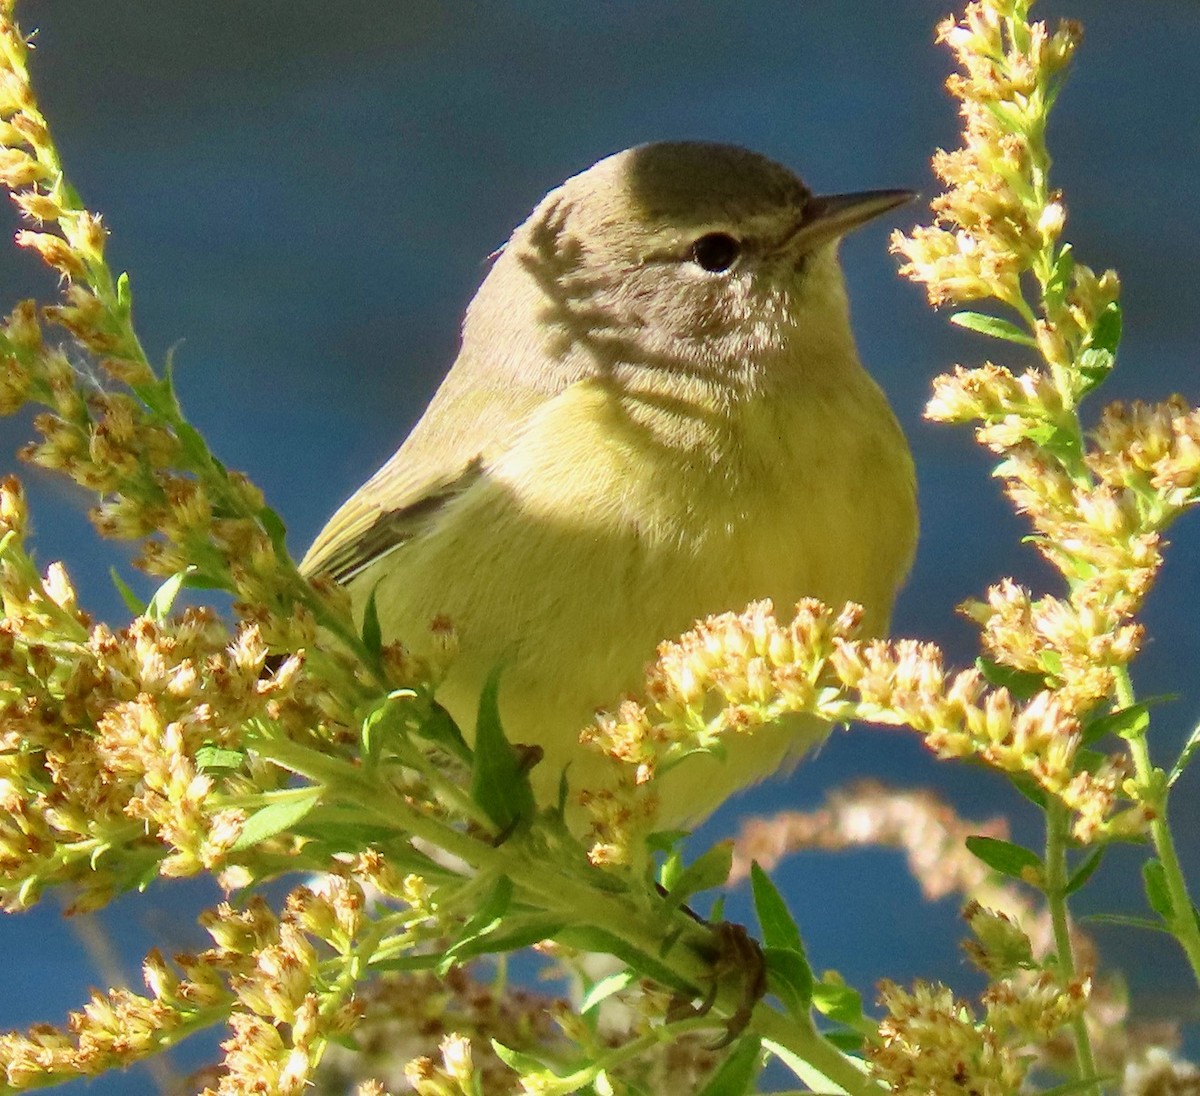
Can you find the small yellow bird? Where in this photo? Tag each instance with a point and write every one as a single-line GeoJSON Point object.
{"type": "Point", "coordinates": [657, 413]}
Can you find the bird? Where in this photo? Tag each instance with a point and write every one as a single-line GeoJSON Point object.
{"type": "Point", "coordinates": [657, 413]}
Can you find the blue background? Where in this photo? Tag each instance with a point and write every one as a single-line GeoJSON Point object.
{"type": "Point", "coordinates": [304, 194]}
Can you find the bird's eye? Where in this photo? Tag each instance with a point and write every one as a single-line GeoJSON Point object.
{"type": "Point", "coordinates": [716, 252]}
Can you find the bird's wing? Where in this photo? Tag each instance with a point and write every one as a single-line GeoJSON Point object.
{"type": "Point", "coordinates": [468, 423]}
{"type": "Point", "coordinates": [378, 518]}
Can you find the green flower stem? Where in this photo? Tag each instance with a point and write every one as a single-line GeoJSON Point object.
{"type": "Point", "coordinates": [803, 1040]}
{"type": "Point", "coordinates": [1055, 889]}
{"type": "Point", "coordinates": [634, 922]}
{"type": "Point", "coordinates": [1153, 783]}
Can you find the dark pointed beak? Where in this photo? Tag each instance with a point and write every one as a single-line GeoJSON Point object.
{"type": "Point", "coordinates": [830, 216]}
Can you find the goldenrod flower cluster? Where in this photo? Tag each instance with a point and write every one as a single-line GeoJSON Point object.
{"type": "Point", "coordinates": [104, 733]}
{"type": "Point", "coordinates": [932, 1042]}
{"type": "Point", "coordinates": [736, 671]}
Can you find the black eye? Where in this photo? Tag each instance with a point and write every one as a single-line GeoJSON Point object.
{"type": "Point", "coordinates": [716, 252]}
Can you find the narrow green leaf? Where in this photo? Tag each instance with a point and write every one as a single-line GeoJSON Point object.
{"type": "Point", "coordinates": [590, 938]}
{"type": "Point", "coordinates": [124, 295]}
{"type": "Point", "coordinates": [1106, 335]}
{"type": "Point", "coordinates": [216, 757]}
{"type": "Point", "coordinates": [1029, 788]}
{"type": "Point", "coordinates": [789, 977]}
{"type": "Point", "coordinates": [132, 602]}
{"type": "Point", "coordinates": [710, 869]}
{"type": "Point", "coordinates": [1060, 277]}
{"type": "Point", "coordinates": [809, 1074]}
{"type": "Point", "coordinates": [499, 781]}
{"type": "Point", "coordinates": [1126, 921]}
{"type": "Point", "coordinates": [276, 817]}
{"type": "Point", "coordinates": [839, 1002]}
{"type": "Point", "coordinates": [1096, 1083]}
{"type": "Point", "coordinates": [164, 597]}
{"type": "Point", "coordinates": [1086, 869]}
{"type": "Point", "coordinates": [1185, 756]}
{"type": "Point", "coordinates": [198, 580]}
{"type": "Point", "coordinates": [1022, 684]}
{"type": "Point", "coordinates": [845, 1039]}
{"type": "Point", "coordinates": [192, 441]}
{"type": "Point", "coordinates": [1128, 722]}
{"type": "Point", "coordinates": [372, 632]}
{"type": "Point", "coordinates": [1154, 876]}
{"type": "Point", "coordinates": [486, 918]}
{"type": "Point", "coordinates": [671, 870]}
{"type": "Point", "coordinates": [736, 1075]}
{"type": "Point", "coordinates": [605, 988]}
{"type": "Point", "coordinates": [779, 928]}
{"type": "Point", "coordinates": [1004, 856]}
{"type": "Point", "coordinates": [512, 935]}
{"type": "Point", "coordinates": [993, 326]}
{"type": "Point", "coordinates": [439, 727]}
{"type": "Point", "coordinates": [275, 528]}
{"type": "Point", "coordinates": [1095, 365]}
{"type": "Point", "coordinates": [515, 1059]}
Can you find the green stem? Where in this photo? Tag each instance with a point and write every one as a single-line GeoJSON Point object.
{"type": "Point", "coordinates": [633, 921]}
{"type": "Point", "coordinates": [1153, 784]}
{"type": "Point", "coordinates": [802, 1039]}
{"type": "Point", "coordinates": [1056, 899]}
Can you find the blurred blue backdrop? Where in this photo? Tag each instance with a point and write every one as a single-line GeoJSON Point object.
{"type": "Point", "coordinates": [304, 194]}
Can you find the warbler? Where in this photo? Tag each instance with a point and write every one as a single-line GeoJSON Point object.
{"type": "Point", "coordinates": [657, 413]}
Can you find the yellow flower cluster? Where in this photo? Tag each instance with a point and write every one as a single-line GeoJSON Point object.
{"type": "Point", "coordinates": [103, 732]}
{"type": "Point", "coordinates": [735, 672]}
{"type": "Point", "coordinates": [997, 216]}
{"type": "Point", "coordinates": [932, 1042]}
{"type": "Point", "coordinates": [277, 979]}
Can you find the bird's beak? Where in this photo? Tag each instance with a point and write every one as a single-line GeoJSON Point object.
{"type": "Point", "coordinates": [830, 216]}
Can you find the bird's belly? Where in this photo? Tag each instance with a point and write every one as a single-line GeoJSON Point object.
{"type": "Point", "coordinates": [571, 582]}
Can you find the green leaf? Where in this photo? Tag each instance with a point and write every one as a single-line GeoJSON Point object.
{"type": "Point", "coordinates": [851, 1042]}
{"type": "Point", "coordinates": [779, 928]}
{"type": "Point", "coordinates": [993, 326]}
{"type": "Point", "coordinates": [671, 870]}
{"type": "Point", "coordinates": [591, 938]}
{"type": "Point", "coordinates": [1029, 788]}
{"type": "Point", "coordinates": [1022, 684]}
{"type": "Point", "coordinates": [605, 988]}
{"type": "Point", "coordinates": [1085, 870]}
{"type": "Point", "coordinates": [809, 1074]}
{"type": "Point", "coordinates": [372, 632]}
{"type": "Point", "coordinates": [439, 727]}
{"type": "Point", "coordinates": [710, 869]}
{"type": "Point", "coordinates": [1004, 856]}
{"type": "Point", "coordinates": [1094, 365]}
{"type": "Point", "coordinates": [486, 918]}
{"type": "Point", "coordinates": [1060, 278]}
{"type": "Point", "coordinates": [275, 817]}
{"type": "Point", "coordinates": [192, 440]}
{"type": "Point", "coordinates": [275, 529]}
{"type": "Point", "coordinates": [164, 597]}
{"type": "Point", "coordinates": [518, 933]}
{"type": "Point", "coordinates": [499, 782]}
{"type": "Point", "coordinates": [515, 1059]}
{"type": "Point", "coordinates": [839, 1002]}
{"type": "Point", "coordinates": [1154, 877]}
{"type": "Point", "coordinates": [1185, 757]}
{"type": "Point", "coordinates": [788, 972]}
{"type": "Point", "coordinates": [1106, 335]}
{"type": "Point", "coordinates": [736, 1075]}
{"type": "Point", "coordinates": [789, 977]}
{"type": "Point", "coordinates": [1126, 921]}
{"type": "Point", "coordinates": [124, 295]}
{"type": "Point", "coordinates": [132, 602]}
{"type": "Point", "coordinates": [1128, 722]}
{"type": "Point", "coordinates": [216, 757]}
